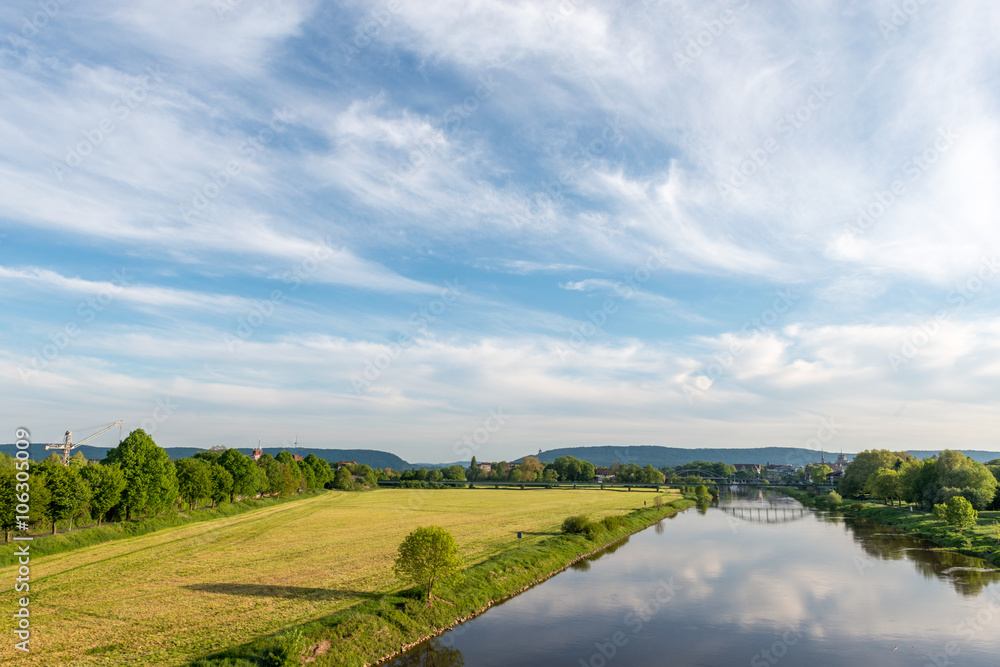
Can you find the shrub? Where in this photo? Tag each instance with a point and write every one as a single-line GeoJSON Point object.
{"type": "Point", "coordinates": [834, 499]}
{"type": "Point", "coordinates": [575, 524]}
{"type": "Point", "coordinates": [593, 529]}
{"type": "Point", "coordinates": [614, 522]}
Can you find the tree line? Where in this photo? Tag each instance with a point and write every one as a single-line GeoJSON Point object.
{"type": "Point", "coordinates": [138, 479]}
{"type": "Point", "coordinates": [899, 477]}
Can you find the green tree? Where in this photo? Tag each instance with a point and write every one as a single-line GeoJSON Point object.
{"type": "Point", "coordinates": [834, 499]}
{"type": "Point", "coordinates": [864, 464]}
{"type": "Point", "coordinates": [78, 460]}
{"type": "Point", "coordinates": [651, 475]}
{"type": "Point", "coordinates": [8, 502]}
{"type": "Point", "coordinates": [956, 470]}
{"type": "Point", "coordinates": [150, 478]}
{"type": "Point", "coordinates": [817, 474]}
{"type": "Point", "coordinates": [321, 470]}
{"type": "Point", "coordinates": [915, 477]}
{"type": "Point", "coordinates": [222, 484]}
{"type": "Point", "coordinates": [246, 480]}
{"type": "Point", "coordinates": [473, 472]}
{"type": "Point", "coordinates": [273, 475]}
{"type": "Point", "coordinates": [68, 494]}
{"type": "Point", "coordinates": [959, 512]}
{"type": "Point", "coordinates": [453, 473]}
{"type": "Point", "coordinates": [342, 480]}
{"type": "Point", "coordinates": [194, 480]}
{"type": "Point", "coordinates": [106, 485]}
{"type": "Point", "coordinates": [531, 467]}
{"type": "Point", "coordinates": [884, 483]}
{"type": "Point", "coordinates": [429, 554]}
{"type": "Point", "coordinates": [572, 469]}
{"type": "Point", "coordinates": [550, 475]}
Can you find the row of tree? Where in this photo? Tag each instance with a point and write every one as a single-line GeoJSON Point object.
{"type": "Point", "coordinates": [899, 476]}
{"type": "Point", "coordinates": [137, 479]}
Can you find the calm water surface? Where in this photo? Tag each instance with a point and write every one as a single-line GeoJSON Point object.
{"type": "Point", "coordinates": [756, 580]}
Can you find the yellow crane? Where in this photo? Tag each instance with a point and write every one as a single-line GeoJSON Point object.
{"type": "Point", "coordinates": [67, 445]}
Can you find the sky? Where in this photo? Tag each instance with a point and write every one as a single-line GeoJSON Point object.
{"type": "Point", "coordinates": [487, 227]}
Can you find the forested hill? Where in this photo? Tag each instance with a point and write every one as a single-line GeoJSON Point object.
{"type": "Point", "coordinates": [373, 457]}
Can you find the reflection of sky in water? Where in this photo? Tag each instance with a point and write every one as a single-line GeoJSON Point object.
{"type": "Point", "coordinates": [853, 591]}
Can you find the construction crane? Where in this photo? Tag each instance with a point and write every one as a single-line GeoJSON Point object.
{"type": "Point", "coordinates": [67, 445]}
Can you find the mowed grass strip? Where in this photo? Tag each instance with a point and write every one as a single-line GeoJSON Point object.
{"type": "Point", "coordinates": [180, 593]}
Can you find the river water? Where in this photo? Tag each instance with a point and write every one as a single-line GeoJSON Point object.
{"type": "Point", "coordinates": [755, 579]}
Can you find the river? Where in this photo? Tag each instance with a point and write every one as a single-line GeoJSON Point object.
{"type": "Point", "coordinates": [755, 579]}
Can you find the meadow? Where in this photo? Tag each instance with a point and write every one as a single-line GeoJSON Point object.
{"type": "Point", "coordinates": [172, 596]}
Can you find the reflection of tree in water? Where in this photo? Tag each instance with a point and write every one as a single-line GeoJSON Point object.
{"type": "Point", "coordinates": [882, 543]}
{"type": "Point", "coordinates": [658, 527]}
{"type": "Point", "coordinates": [433, 653]}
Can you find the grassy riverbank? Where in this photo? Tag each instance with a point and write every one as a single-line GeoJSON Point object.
{"type": "Point", "coordinates": [382, 627]}
{"type": "Point", "coordinates": [184, 592]}
{"type": "Point", "coordinates": [979, 541]}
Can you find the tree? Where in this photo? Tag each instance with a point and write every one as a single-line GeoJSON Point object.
{"type": "Point", "coordinates": [246, 481]}
{"type": "Point", "coordinates": [106, 485]}
{"type": "Point", "coordinates": [321, 470]}
{"type": "Point", "coordinates": [572, 469]}
{"type": "Point", "coordinates": [864, 464]}
{"type": "Point", "coordinates": [959, 512]}
{"type": "Point", "coordinates": [884, 483]}
{"type": "Point", "coordinates": [915, 477]}
{"type": "Point", "coordinates": [68, 494]}
{"type": "Point", "coordinates": [453, 473]}
{"type": "Point", "coordinates": [273, 476]}
{"type": "Point", "coordinates": [194, 480]}
{"type": "Point", "coordinates": [531, 467]}
{"type": "Point", "coordinates": [342, 480]}
{"type": "Point", "coordinates": [222, 484]}
{"type": "Point", "coordinates": [150, 478]}
{"type": "Point", "coordinates": [473, 472]}
{"type": "Point", "coordinates": [956, 470]}
{"type": "Point", "coordinates": [651, 475]}
{"type": "Point", "coordinates": [288, 459]}
{"type": "Point", "coordinates": [817, 474]}
{"type": "Point", "coordinates": [8, 502]}
{"type": "Point", "coordinates": [550, 475]}
{"type": "Point", "coordinates": [427, 555]}
{"type": "Point", "coordinates": [78, 460]}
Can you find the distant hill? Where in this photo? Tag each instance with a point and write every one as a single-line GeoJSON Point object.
{"type": "Point", "coordinates": [674, 456]}
{"type": "Point", "coordinates": [974, 454]}
{"type": "Point", "coordinates": [372, 457]}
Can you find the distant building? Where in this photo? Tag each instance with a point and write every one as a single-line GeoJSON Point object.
{"type": "Point", "coordinates": [748, 467]}
{"type": "Point", "coordinates": [257, 453]}
{"type": "Point", "coordinates": [834, 477]}
{"type": "Point", "coordinates": [341, 464]}
{"type": "Point", "coordinates": [486, 467]}
{"type": "Point", "coordinates": [296, 457]}
{"type": "Point", "coordinates": [603, 474]}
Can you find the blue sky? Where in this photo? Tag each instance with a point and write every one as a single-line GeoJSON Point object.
{"type": "Point", "coordinates": [371, 224]}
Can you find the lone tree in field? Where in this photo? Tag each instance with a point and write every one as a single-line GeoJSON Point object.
{"type": "Point", "coordinates": [427, 555]}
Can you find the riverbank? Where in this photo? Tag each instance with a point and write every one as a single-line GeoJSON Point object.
{"type": "Point", "coordinates": [384, 626]}
{"type": "Point", "coordinates": [980, 541]}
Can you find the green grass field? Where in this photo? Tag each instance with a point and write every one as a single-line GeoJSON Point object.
{"type": "Point", "coordinates": [172, 596]}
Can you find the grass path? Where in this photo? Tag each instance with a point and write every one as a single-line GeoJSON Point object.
{"type": "Point", "coordinates": [170, 596]}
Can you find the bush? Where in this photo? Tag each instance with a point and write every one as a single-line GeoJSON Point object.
{"type": "Point", "coordinates": [834, 499]}
{"type": "Point", "coordinates": [616, 522]}
{"type": "Point", "coordinates": [593, 530]}
{"type": "Point", "coordinates": [575, 524]}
